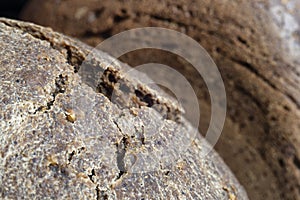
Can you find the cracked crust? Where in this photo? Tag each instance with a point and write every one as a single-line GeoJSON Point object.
{"type": "Point", "coordinates": [63, 139]}
{"type": "Point", "coordinates": [255, 45]}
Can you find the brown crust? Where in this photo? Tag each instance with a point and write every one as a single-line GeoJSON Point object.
{"type": "Point", "coordinates": [260, 141]}
{"type": "Point", "coordinates": [62, 139]}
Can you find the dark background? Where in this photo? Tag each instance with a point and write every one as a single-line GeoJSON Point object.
{"type": "Point", "coordinates": [11, 8]}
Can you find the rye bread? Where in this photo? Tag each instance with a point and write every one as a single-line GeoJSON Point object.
{"type": "Point", "coordinates": [63, 139]}
{"type": "Point", "coordinates": [255, 45]}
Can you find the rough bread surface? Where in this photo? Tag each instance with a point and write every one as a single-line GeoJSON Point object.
{"type": "Point", "coordinates": [256, 46]}
{"type": "Point", "coordinates": [62, 139]}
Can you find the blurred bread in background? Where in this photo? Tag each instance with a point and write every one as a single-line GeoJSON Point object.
{"type": "Point", "coordinates": [255, 44]}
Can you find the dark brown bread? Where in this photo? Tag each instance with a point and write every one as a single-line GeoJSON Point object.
{"type": "Point", "coordinates": [256, 47]}
{"type": "Point", "coordinates": [61, 139]}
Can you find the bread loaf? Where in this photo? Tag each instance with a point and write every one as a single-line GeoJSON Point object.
{"type": "Point", "coordinates": [63, 139]}
{"type": "Point", "coordinates": [256, 47]}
